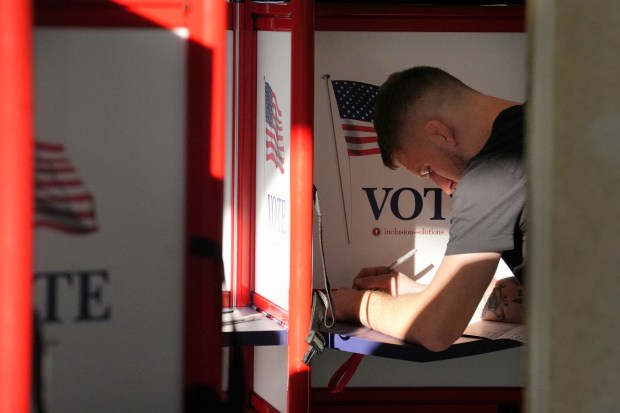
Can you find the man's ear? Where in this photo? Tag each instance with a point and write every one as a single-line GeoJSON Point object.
{"type": "Point", "coordinates": [437, 129]}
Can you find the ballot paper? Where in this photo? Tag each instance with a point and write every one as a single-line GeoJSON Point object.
{"type": "Point", "coordinates": [495, 330]}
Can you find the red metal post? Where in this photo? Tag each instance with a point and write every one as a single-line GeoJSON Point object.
{"type": "Point", "coordinates": [244, 159]}
{"type": "Point", "coordinates": [16, 206]}
{"type": "Point", "coordinates": [206, 120]}
{"type": "Point", "coordinates": [302, 163]}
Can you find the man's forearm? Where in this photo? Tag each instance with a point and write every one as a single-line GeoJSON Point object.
{"type": "Point", "coordinates": [409, 318]}
{"type": "Point", "coordinates": [436, 316]}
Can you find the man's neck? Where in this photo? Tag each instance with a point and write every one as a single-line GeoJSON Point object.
{"type": "Point", "coordinates": [478, 116]}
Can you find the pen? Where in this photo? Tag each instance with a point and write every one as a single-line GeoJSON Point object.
{"type": "Point", "coordinates": [401, 259]}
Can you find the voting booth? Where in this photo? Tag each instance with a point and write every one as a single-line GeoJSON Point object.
{"type": "Point", "coordinates": [157, 228]}
{"type": "Point", "coordinates": [370, 214]}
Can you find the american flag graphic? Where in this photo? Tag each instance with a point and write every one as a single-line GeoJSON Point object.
{"type": "Point", "coordinates": [356, 106]}
{"type": "Point", "coordinates": [274, 140]}
{"type": "Point", "coordinates": [62, 201]}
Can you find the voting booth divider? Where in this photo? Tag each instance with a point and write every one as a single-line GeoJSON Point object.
{"type": "Point", "coordinates": [130, 166]}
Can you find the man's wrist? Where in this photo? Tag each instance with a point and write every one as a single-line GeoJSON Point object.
{"type": "Point", "coordinates": [364, 315]}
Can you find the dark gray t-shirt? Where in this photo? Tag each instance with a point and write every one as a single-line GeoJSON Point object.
{"type": "Point", "coordinates": [489, 213]}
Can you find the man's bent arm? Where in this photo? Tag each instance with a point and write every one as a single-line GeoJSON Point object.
{"type": "Point", "coordinates": [435, 317]}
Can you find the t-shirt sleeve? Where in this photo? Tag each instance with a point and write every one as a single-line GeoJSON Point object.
{"type": "Point", "coordinates": [487, 207]}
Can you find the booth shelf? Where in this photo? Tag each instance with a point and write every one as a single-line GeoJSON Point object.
{"type": "Point", "coordinates": [350, 338]}
{"type": "Point", "coordinates": [362, 340]}
{"type": "Point", "coordinates": [263, 331]}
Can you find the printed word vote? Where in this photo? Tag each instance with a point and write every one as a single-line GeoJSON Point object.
{"type": "Point", "coordinates": [410, 197]}
{"type": "Point", "coordinates": [85, 286]}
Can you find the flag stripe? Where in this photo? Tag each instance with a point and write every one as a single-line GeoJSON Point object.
{"type": "Point", "coordinates": [62, 201]}
{"type": "Point", "coordinates": [51, 160]}
{"type": "Point", "coordinates": [360, 146]}
{"type": "Point", "coordinates": [85, 197]}
{"type": "Point", "coordinates": [275, 150]}
{"type": "Point", "coordinates": [364, 152]}
{"type": "Point", "coordinates": [67, 213]}
{"type": "Point", "coordinates": [274, 140]}
{"type": "Point", "coordinates": [66, 227]}
{"type": "Point", "coordinates": [272, 157]}
{"type": "Point", "coordinates": [356, 127]}
{"type": "Point", "coordinates": [40, 169]}
{"type": "Point", "coordinates": [360, 139]}
{"type": "Point", "coordinates": [272, 137]}
{"type": "Point", "coordinates": [58, 183]}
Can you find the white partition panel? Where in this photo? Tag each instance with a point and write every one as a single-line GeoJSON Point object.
{"type": "Point", "coordinates": [272, 167]}
{"type": "Point", "coordinates": [110, 116]}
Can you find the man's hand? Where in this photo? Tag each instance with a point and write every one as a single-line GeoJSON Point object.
{"type": "Point", "coordinates": [393, 283]}
{"type": "Point", "coordinates": [347, 303]}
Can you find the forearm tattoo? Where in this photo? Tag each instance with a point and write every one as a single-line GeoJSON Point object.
{"type": "Point", "coordinates": [498, 301]}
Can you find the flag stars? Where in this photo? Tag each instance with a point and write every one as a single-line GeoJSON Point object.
{"type": "Point", "coordinates": [355, 100]}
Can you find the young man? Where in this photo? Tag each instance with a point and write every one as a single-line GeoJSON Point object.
{"type": "Point", "coordinates": [471, 146]}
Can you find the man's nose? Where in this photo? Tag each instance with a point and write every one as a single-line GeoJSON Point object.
{"type": "Point", "coordinates": [444, 183]}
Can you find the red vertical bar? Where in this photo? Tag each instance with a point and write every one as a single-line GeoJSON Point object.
{"type": "Point", "coordinates": [244, 160]}
{"type": "Point", "coordinates": [206, 106]}
{"type": "Point", "coordinates": [302, 161]}
{"type": "Point", "coordinates": [15, 206]}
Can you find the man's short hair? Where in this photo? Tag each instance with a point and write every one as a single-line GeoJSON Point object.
{"type": "Point", "coordinates": [399, 92]}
